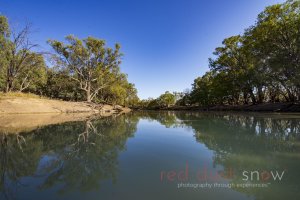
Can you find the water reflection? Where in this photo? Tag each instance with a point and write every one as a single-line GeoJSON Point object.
{"type": "Point", "coordinates": [17, 160]}
{"type": "Point", "coordinates": [247, 142]}
{"type": "Point", "coordinates": [79, 156]}
{"type": "Point", "coordinates": [75, 155]}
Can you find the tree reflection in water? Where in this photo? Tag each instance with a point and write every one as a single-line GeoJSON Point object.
{"type": "Point", "coordinates": [249, 142]}
{"type": "Point", "coordinates": [76, 155]}
{"type": "Point", "coordinates": [19, 158]}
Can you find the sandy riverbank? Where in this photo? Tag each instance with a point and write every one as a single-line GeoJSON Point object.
{"type": "Point", "coordinates": [33, 104]}
{"type": "Point", "coordinates": [22, 113]}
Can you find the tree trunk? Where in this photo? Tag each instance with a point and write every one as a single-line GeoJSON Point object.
{"type": "Point", "coordinates": [291, 96]}
{"type": "Point", "coordinates": [260, 95]}
{"type": "Point", "coordinates": [245, 96]}
{"type": "Point", "coordinates": [8, 85]}
{"type": "Point", "coordinates": [252, 96]}
{"type": "Point", "coordinates": [88, 93]}
{"type": "Point", "coordinates": [9, 81]}
{"type": "Point", "coordinates": [23, 85]}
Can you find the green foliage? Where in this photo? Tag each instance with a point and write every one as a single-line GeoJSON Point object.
{"type": "Point", "coordinates": [276, 39]}
{"type": "Point", "coordinates": [262, 65]}
{"type": "Point", "coordinates": [33, 77]}
{"type": "Point", "coordinates": [201, 90]}
{"type": "Point", "coordinates": [4, 27]}
{"type": "Point", "coordinates": [93, 65]}
{"type": "Point", "coordinates": [120, 92]}
{"type": "Point", "coordinates": [84, 69]}
{"type": "Point", "coordinates": [20, 67]}
{"type": "Point", "coordinates": [163, 101]}
{"type": "Point", "coordinates": [167, 99]}
{"type": "Point", "coordinates": [4, 35]}
{"type": "Point", "coordinates": [60, 86]}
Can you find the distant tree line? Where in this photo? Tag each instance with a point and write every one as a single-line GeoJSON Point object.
{"type": "Point", "coordinates": [163, 101]}
{"type": "Point", "coordinates": [81, 70]}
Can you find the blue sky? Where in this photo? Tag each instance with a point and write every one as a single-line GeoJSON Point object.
{"type": "Point", "coordinates": [166, 43]}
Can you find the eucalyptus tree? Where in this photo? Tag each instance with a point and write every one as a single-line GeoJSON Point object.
{"type": "Point", "coordinates": [60, 86]}
{"type": "Point", "coordinates": [234, 59]}
{"type": "Point", "coordinates": [201, 88]}
{"type": "Point", "coordinates": [18, 60]}
{"type": "Point", "coordinates": [276, 40]}
{"type": "Point", "coordinates": [167, 99]}
{"type": "Point", "coordinates": [4, 37]}
{"type": "Point", "coordinates": [34, 76]}
{"type": "Point", "coordinates": [261, 65]}
{"type": "Point", "coordinates": [121, 92]}
{"type": "Point", "coordinates": [90, 63]}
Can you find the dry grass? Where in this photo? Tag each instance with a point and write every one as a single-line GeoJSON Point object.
{"type": "Point", "coordinates": [20, 95]}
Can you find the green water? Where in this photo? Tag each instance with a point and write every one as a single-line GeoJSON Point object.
{"type": "Point", "coordinates": [156, 155]}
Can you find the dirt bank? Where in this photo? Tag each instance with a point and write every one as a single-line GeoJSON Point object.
{"type": "Point", "coordinates": [25, 104]}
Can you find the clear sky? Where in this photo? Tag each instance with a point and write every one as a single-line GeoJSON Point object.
{"type": "Point", "coordinates": [166, 43]}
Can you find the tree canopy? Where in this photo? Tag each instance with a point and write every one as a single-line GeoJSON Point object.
{"type": "Point", "coordinates": [81, 70]}
{"type": "Point", "coordinates": [261, 65]}
{"type": "Point", "coordinates": [89, 63]}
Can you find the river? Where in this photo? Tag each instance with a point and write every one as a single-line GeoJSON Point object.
{"type": "Point", "coordinates": [154, 155]}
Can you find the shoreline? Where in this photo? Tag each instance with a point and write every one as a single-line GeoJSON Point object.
{"type": "Point", "coordinates": [290, 107]}
{"type": "Point", "coordinates": [31, 105]}
{"type": "Point", "coordinates": [23, 114]}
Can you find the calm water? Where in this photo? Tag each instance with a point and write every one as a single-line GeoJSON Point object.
{"type": "Point", "coordinates": [156, 155]}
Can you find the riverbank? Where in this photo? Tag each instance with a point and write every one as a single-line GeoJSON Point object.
{"type": "Point", "coordinates": [19, 103]}
{"type": "Point", "coordinates": [264, 107]}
